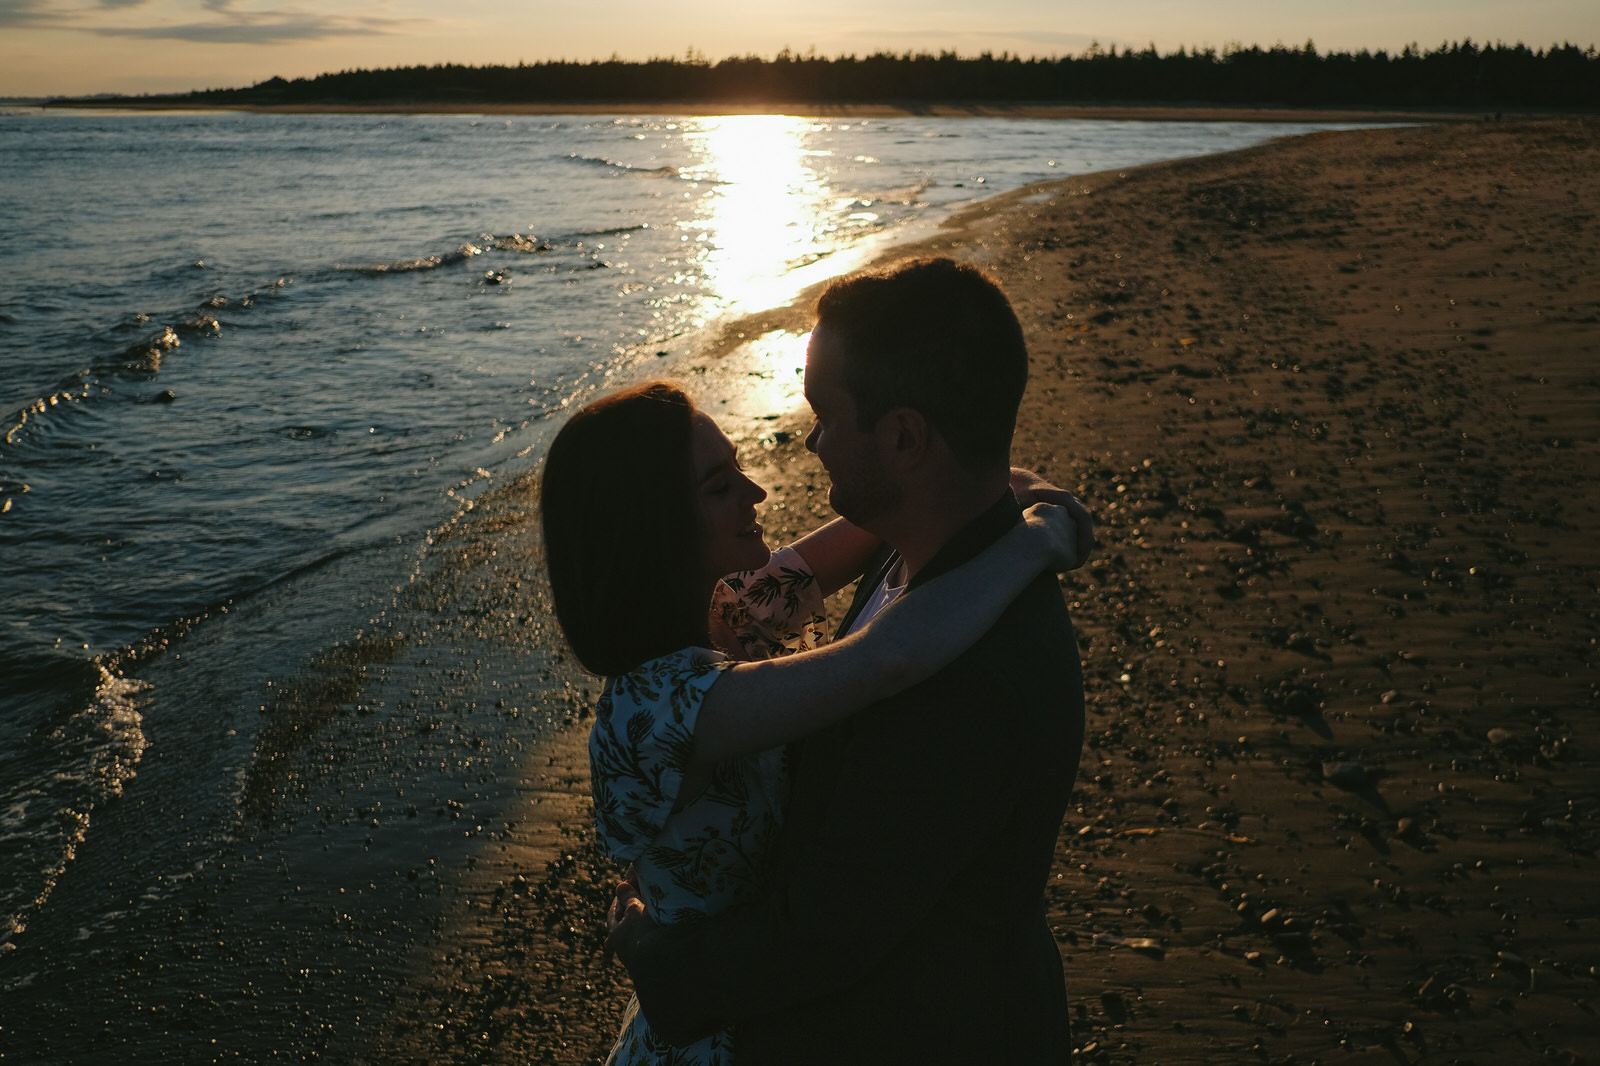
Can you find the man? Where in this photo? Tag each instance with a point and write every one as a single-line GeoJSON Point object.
{"type": "Point", "coordinates": [903, 919]}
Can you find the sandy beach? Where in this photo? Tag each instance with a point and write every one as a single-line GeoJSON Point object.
{"type": "Point", "coordinates": [1335, 404]}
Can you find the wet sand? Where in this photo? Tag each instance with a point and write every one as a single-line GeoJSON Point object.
{"type": "Point", "coordinates": [1335, 402]}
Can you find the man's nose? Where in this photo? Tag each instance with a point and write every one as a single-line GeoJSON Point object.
{"type": "Point", "coordinates": [811, 438]}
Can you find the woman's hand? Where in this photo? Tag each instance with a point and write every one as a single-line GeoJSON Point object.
{"type": "Point", "coordinates": [1030, 488]}
{"type": "Point", "coordinates": [1058, 531]}
{"type": "Point", "coordinates": [626, 920]}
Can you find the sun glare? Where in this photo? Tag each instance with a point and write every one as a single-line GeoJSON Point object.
{"type": "Point", "coordinates": [767, 217]}
{"type": "Point", "coordinates": [776, 380]}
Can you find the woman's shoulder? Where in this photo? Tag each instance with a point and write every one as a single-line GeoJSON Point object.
{"type": "Point", "coordinates": [664, 681]}
{"type": "Point", "coordinates": [773, 611]}
{"type": "Point", "coordinates": [787, 570]}
{"type": "Point", "coordinates": [641, 745]}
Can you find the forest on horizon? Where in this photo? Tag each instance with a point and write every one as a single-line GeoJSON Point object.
{"type": "Point", "coordinates": [1460, 74]}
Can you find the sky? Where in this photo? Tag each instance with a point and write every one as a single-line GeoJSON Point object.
{"type": "Point", "coordinates": [80, 47]}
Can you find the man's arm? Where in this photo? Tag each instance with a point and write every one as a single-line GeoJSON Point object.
{"type": "Point", "coordinates": [927, 779]}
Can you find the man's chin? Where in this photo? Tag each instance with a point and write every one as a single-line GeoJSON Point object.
{"type": "Point", "coordinates": [843, 507]}
{"type": "Point", "coordinates": [859, 512]}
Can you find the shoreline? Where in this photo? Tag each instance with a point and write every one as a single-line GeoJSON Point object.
{"type": "Point", "coordinates": [1332, 402]}
{"type": "Point", "coordinates": [1169, 112]}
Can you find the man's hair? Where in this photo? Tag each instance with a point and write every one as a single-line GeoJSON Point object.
{"type": "Point", "coordinates": [938, 337]}
{"type": "Point", "coordinates": [621, 536]}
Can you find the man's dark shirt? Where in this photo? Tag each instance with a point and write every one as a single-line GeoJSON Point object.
{"type": "Point", "coordinates": [904, 919]}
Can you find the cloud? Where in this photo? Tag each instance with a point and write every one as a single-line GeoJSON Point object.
{"type": "Point", "coordinates": [261, 28]}
{"type": "Point", "coordinates": [25, 13]}
{"type": "Point", "coordinates": [228, 24]}
{"type": "Point", "coordinates": [50, 13]}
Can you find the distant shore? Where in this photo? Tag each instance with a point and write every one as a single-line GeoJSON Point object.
{"type": "Point", "coordinates": [1102, 112]}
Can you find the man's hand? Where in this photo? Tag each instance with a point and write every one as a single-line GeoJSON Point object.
{"type": "Point", "coordinates": [626, 921]}
{"type": "Point", "coordinates": [1030, 488]}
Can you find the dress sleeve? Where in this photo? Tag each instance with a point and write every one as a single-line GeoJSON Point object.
{"type": "Point", "coordinates": [640, 746]}
{"type": "Point", "coordinates": [773, 611]}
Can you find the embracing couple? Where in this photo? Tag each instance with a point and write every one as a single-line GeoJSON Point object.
{"type": "Point", "coordinates": [838, 848]}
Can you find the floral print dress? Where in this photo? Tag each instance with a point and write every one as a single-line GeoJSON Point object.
{"type": "Point", "coordinates": [706, 856]}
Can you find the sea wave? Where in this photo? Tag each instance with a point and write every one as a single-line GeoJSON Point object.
{"type": "Point", "coordinates": [905, 195]}
{"type": "Point", "coordinates": [145, 354]}
{"type": "Point", "coordinates": [615, 231]}
{"type": "Point", "coordinates": [624, 168]}
{"type": "Point", "coordinates": [54, 785]}
{"type": "Point", "coordinates": [42, 405]}
{"type": "Point", "coordinates": [410, 266]}
{"type": "Point", "coordinates": [155, 341]}
{"type": "Point", "coordinates": [518, 243]}
{"type": "Point", "coordinates": [514, 243]}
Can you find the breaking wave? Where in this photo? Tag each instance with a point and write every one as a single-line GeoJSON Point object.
{"type": "Point", "coordinates": [67, 771]}
{"type": "Point", "coordinates": [624, 168]}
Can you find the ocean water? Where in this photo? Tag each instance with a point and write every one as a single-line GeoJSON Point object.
{"type": "Point", "coordinates": [267, 673]}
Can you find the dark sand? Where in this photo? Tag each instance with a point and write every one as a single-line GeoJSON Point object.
{"type": "Point", "coordinates": [1335, 402]}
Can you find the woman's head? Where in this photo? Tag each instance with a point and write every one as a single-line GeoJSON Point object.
{"type": "Point", "coordinates": [643, 507]}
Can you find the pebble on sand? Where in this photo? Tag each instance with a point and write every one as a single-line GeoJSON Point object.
{"type": "Point", "coordinates": [1345, 774]}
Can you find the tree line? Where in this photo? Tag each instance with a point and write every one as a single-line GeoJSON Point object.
{"type": "Point", "coordinates": [1461, 74]}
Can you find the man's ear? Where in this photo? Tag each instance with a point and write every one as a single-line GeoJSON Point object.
{"type": "Point", "coordinates": [904, 436]}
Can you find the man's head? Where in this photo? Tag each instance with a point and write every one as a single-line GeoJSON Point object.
{"type": "Point", "coordinates": [929, 345]}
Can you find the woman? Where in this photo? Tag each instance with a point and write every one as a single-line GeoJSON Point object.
{"type": "Point", "coordinates": [686, 764]}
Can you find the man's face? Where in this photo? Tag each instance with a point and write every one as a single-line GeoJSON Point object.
{"type": "Point", "coordinates": [862, 487]}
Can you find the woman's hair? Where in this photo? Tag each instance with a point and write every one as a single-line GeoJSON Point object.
{"type": "Point", "coordinates": [622, 542]}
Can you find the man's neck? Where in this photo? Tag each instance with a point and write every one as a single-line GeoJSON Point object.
{"type": "Point", "coordinates": [926, 522]}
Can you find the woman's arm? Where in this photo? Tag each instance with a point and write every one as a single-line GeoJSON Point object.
{"type": "Point", "coordinates": [837, 553]}
{"type": "Point", "coordinates": [755, 706]}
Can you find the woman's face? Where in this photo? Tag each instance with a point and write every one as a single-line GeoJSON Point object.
{"type": "Point", "coordinates": [725, 502]}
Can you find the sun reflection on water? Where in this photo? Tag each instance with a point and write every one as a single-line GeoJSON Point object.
{"type": "Point", "coordinates": [776, 380]}
{"type": "Point", "coordinates": [769, 214]}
